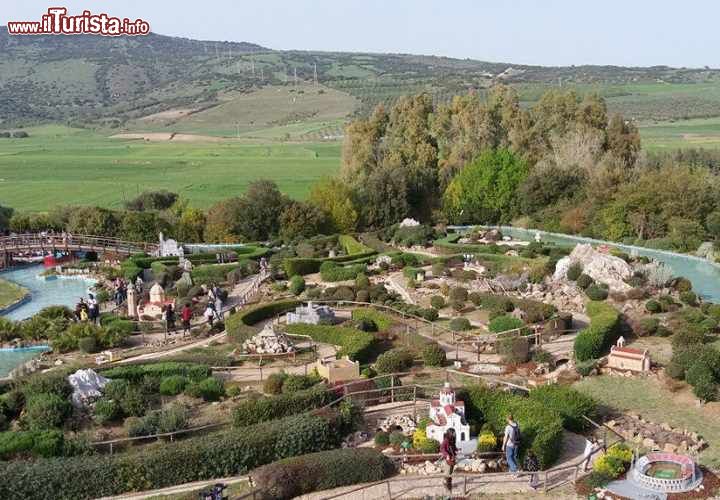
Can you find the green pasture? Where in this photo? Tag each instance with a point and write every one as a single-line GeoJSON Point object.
{"type": "Point", "coordinates": [60, 166]}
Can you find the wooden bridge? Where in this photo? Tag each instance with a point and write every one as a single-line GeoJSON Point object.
{"type": "Point", "coordinates": [64, 242]}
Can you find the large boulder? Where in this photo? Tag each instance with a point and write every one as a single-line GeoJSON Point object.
{"type": "Point", "coordinates": [87, 385]}
{"type": "Point", "coordinates": [602, 267]}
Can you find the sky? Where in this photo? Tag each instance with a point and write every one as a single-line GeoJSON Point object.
{"type": "Point", "coordinates": [543, 32]}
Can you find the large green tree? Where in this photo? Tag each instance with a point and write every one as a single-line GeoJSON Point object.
{"type": "Point", "coordinates": [485, 190]}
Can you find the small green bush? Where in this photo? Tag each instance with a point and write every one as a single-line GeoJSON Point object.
{"type": "Point", "coordinates": [274, 383]}
{"type": "Point", "coordinates": [107, 410]}
{"type": "Point", "coordinates": [437, 301]}
{"type": "Point", "coordinates": [689, 298]}
{"type": "Point", "coordinates": [596, 292]}
{"type": "Point", "coordinates": [210, 389]}
{"type": "Point", "coordinates": [653, 306]}
{"type": "Point", "coordinates": [458, 294]}
{"type": "Point", "coordinates": [434, 355]}
{"type": "Point", "coordinates": [394, 361]}
{"type": "Point", "coordinates": [88, 345]}
{"type": "Point", "coordinates": [382, 438]}
{"type": "Point", "coordinates": [584, 281]}
{"type": "Point", "coordinates": [505, 323]}
{"type": "Point", "coordinates": [297, 285]}
{"type": "Point", "coordinates": [460, 324]}
{"type": "Point", "coordinates": [683, 285]}
{"type": "Point", "coordinates": [45, 411]}
{"type": "Point", "coordinates": [513, 348]}
{"type": "Point", "coordinates": [397, 438]}
{"type": "Point", "coordinates": [574, 271]}
{"type": "Point", "coordinates": [173, 385]}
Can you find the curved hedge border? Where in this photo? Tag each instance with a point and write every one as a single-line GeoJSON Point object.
{"type": "Point", "coordinates": [541, 428]}
{"type": "Point", "coordinates": [135, 373]}
{"type": "Point", "coordinates": [259, 410]}
{"type": "Point", "coordinates": [292, 477]}
{"type": "Point", "coordinates": [238, 325]}
{"type": "Point", "coordinates": [604, 329]}
{"type": "Point", "coordinates": [381, 320]}
{"type": "Point", "coordinates": [356, 344]}
{"type": "Point", "coordinates": [356, 254]}
{"type": "Point", "coordinates": [221, 454]}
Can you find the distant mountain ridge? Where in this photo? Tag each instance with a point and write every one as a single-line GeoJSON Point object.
{"type": "Point", "coordinates": [88, 79]}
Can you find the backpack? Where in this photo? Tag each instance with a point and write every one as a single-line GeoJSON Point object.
{"type": "Point", "coordinates": [515, 435]}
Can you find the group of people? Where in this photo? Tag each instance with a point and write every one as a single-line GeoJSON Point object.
{"type": "Point", "coordinates": [120, 293]}
{"type": "Point", "coordinates": [213, 311]}
{"type": "Point", "coordinates": [87, 310]}
{"type": "Point", "coordinates": [169, 316]}
{"type": "Point", "coordinates": [510, 446]}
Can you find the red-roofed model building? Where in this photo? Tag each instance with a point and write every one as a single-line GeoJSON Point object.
{"type": "Point", "coordinates": [628, 359]}
{"type": "Point", "coordinates": [448, 413]}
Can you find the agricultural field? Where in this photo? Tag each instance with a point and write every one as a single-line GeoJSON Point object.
{"type": "Point", "coordinates": [57, 165]}
{"type": "Point", "coordinates": [671, 135]}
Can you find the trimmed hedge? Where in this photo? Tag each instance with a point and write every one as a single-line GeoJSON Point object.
{"type": "Point", "coordinates": [220, 454]}
{"type": "Point", "coordinates": [135, 373]}
{"type": "Point", "coordinates": [238, 325]}
{"type": "Point", "coordinates": [596, 339]}
{"type": "Point", "coordinates": [570, 404]}
{"type": "Point", "coordinates": [356, 344]}
{"type": "Point", "coordinates": [48, 443]}
{"type": "Point", "coordinates": [353, 247]}
{"type": "Point", "coordinates": [540, 427]}
{"type": "Point", "coordinates": [292, 477]}
{"type": "Point", "coordinates": [331, 271]}
{"type": "Point", "coordinates": [381, 320]}
{"type": "Point", "coordinates": [259, 410]}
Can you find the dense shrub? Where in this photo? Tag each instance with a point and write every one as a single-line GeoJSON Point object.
{"type": "Point", "coordinates": [382, 438]}
{"type": "Point", "coordinates": [689, 298]}
{"type": "Point", "coordinates": [437, 301]}
{"type": "Point", "coordinates": [297, 285]}
{"type": "Point", "coordinates": [331, 271]}
{"type": "Point", "coordinates": [88, 345]}
{"type": "Point", "coordinates": [434, 355]}
{"type": "Point", "coordinates": [513, 348]}
{"type": "Point", "coordinates": [274, 383]}
{"type": "Point", "coordinates": [648, 326]}
{"type": "Point", "coordinates": [541, 428]}
{"type": "Point", "coordinates": [584, 281]}
{"type": "Point", "coordinates": [172, 418]}
{"type": "Point", "coordinates": [535, 311]}
{"type": "Point", "coordinates": [209, 389]}
{"type": "Point", "coordinates": [381, 320]}
{"type": "Point", "coordinates": [596, 339]}
{"type": "Point", "coordinates": [38, 443]}
{"type": "Point", "coordinates": [267, 408]}
{"type": "Point", "coordinates": [458, 294]}
{"type": "Point", "coordinates": [134, 401]}
{"type": "Point", "coordinates": [394, 361]}
{"type": "Point", "coordinates": [135, 373]}
{"type": "Point", "coordinates": [596, 292]}
{"type": "Point", "coordinates": [293, 477]}
{"type": "Point", "coordinates": [460, 324]}
{"type": "Point", "coordinates": [682, 285]}
{"type": "Point", "coordinates": [45, 411]}
{"type": "Point", "coordinates": [107, 410]}
{"type": "Point", "coordinates": [504, 323]}
{"type": "Point", "coordinates": [570, 404]}
{"type": "Point", "coordinates": [653, 306]}
{"type": "Point", "coordinates": [354, 343]}
{"type": "Point", "coordinates": [295, 383]}
{"type": "Point", "coordinates": [173, 385]}
{"type": "Point", "coordinates": [574, 271]}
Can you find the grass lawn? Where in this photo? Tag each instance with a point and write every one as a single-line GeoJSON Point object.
{"type": "Point", "coordinates": [60, 166]}
{"type": "Point", "coordinates": [10, 292]}
{"type": "Point", "coordinates": [649, 398]}
{"type": "Point", "coordinates": [671, 135]}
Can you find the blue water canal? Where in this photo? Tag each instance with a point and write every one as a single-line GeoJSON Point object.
{"type": "Point", "coordinates": [43, 292]}
{"type": "Point", "coordinates": [705, 275]}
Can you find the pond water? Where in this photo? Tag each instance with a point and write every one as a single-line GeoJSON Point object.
{"type": "Point", "coordinates": [45, 292]}
{"type": "Point", "coordinates": [10, 358]}
{"type": "Point", "coordinates": [705, 275]}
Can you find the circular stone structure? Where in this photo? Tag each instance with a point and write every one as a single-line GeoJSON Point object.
{"type": "Point", "coordinates": [666, 472]}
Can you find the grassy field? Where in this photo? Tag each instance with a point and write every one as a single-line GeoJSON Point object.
{"type": "Point", "coordinates": [60, 166]}
{"type": "Point", "coordinates": [10, 293]}
{"type": "Point", "coordinates": [649, 398]}
{"type": "Point", "coordinates": [670, 135]}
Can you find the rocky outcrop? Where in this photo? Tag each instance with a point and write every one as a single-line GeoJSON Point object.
{"type": "Point", "coordinates": [602, 267]}
{"type": "Point", "coordinates": [87, 386]}
{"type": "Point", "coordinates": [391, 423]}
{"type": "Point", "coordinates": [655, 436]}
{"type": "Point", "coordinates": [268, 341]}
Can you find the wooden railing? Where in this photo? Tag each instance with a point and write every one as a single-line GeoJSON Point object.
{"type": "Point", "coordinates": [72, 242]}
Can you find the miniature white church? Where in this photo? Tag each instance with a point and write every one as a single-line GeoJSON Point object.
{"type": "Point", "coordinates": [446, 413]}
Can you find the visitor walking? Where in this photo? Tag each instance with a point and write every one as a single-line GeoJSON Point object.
{"type": "Point", "coordinates": [210, 313]}
{"type": "Point", "coordinates": [186, 315]}
{"type": "Point", "coordinates": [532, 465]}
{"type": "Point", "coordinates": [511, 443]}
{"type": "Point", "coordinates": [170, 319]}
{"type": "Point", "coordinates": [93, 308]}
{"type": "Point", "coordinates": [448, 450]}
{"type": "Point", "coordinates": [591, 445]}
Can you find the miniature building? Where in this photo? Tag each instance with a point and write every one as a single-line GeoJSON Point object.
{"type": "Point", "coordinates": [268, 341]}
{"type": "Point", "coordinates": [154, 307]}
{"type": "Point", "coordinates": [311, 314]}
{"type": "Point", "coordinates": [627, 358]}
{"type": "Point", "coordinates": [169, 248]}
{"type": "Point", "coordinates": [337, 370]}
{"type": "Point", "coordinates": [446, 413]}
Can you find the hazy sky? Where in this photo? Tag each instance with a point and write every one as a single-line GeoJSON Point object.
{"type": "Point", "coordinates": [548, 32]}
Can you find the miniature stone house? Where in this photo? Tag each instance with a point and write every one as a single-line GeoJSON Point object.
{"type": "Point", "coordinates": [154, 307]}
{"type": "Point", "coordinates": [338, 370]}
{"type": "Point", "coordinates": [446, 412]}
{"type": "Point", "coordinates": [311, 314]}
{"type": "Point", "coordinates": [629, 359]}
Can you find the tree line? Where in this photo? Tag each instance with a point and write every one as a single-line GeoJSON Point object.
{"type": "Point", "coordinates": [563, 164]}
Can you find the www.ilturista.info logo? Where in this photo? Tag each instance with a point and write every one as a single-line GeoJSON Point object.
{"type": "Point", "coordinates": [57, 22]}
